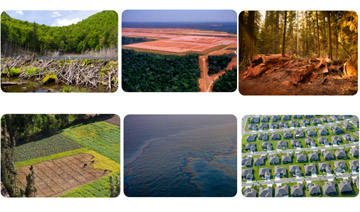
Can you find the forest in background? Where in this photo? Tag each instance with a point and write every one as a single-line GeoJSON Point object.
{"type": "Point", "coordinates": [95, 33]}
{"type": "Point", "coordinates": [299, 33]}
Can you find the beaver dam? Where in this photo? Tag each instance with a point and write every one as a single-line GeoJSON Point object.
{"type": "Point", "coordinates": [59, 75]}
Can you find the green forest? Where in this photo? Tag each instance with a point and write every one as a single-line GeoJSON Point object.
{"type": "Point", "coordinates": [218, 62]}
{"type": "Point", "coordinates": [147, 72]}
{"type": "Point", "coordinates": [308, 34]}
{"type": "Point", "coordinates": [226, 82]}
{"type": "Point", "coordinates": [94, 33]}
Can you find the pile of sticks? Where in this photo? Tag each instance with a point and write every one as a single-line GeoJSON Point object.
{"type": "Point", "coordinates": [70, 72]}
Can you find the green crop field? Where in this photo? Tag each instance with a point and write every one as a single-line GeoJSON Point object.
{"type": "Point", "coordinates": [101, 137]}
{"type": "Point", "coordinates": [98, 188]}
{"type": "Point", "coordinates": [44, 146]}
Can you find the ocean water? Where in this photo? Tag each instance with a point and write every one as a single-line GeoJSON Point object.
{"type": "Point", "coordinates": [180, 155]}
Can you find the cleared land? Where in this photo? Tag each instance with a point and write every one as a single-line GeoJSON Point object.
{"type": "Point", "coordinates": [179, 41]}
{"type": "Point", "coordinates": [58, 176]}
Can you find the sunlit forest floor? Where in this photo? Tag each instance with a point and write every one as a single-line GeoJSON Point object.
{"type": "Point", "coordinates": [277, 75]}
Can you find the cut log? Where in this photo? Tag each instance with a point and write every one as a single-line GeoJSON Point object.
{"type": "Point", "coordinates": [302, 75]}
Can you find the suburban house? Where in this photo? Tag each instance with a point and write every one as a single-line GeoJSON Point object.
{"type": "Point", "coordinates": [354, 165]}
{"type": "Point", "coordinates": [323, 131]}
{"type": "Point", "coordinates": [336, 140]}
{"type": "Point", "coordinates": [253, 127]}
{"type": "Point", "coordinates": [310, 142]}
{"type": "Point", "coordinates": [250, 147]}
{"type": "Point", "coordinates": [309, 116]}
{"type": "Point", "coordinates": [295, 170]}
{"type": "Point", "coordinates": [254, 120]}
{"type": "Point", "coordinates": [251, 138]}
{"type": "Point", "coordinates": [297, 190]}
{"type": "Point", "coordinates": [266, 146]}
{"type": "Point", "coordinates": [264, 126]}
{"type": "Point", "coordinates": [286, 158]}
{"type": "Point", "coordinates": [247, 174]}
{"type": "Point", "coordinates": [354, 152]}
{"type": "Point", "coordinates": [336, 118]}
{"type": "Point", "coordinates": [328, 155]}
{"type": "Point", "coordinates": [284, 124]}
{"type": "Point", "coordinates": [301, 157]}
{"type": "Point", "coordinates": [340, 166]}
{"type": "Point", "coordinates": [311, 133]}
{"type": "Point", "coordinates": [323, 141]}
{"type": "Point", "coordinates": [264, 137]}
{"type": "Point", "coordinates": [295, 143]}
{"type": "Point", "coordinates": [325, 167]}
{"type": "Point", "coordinates": [260, 161]}
{"type": "Point", "coordinates": [298, 116]}
{"type": "Point", "coordinates": [345, 187]}
{"type": "Point", "coordinates": [305, 123]}
{"type": "Point", "coordinates": [282, 191]}
{"type": "Point", "coordinates": [274, 160]}
{"type": "Point", "coordinates": [348, 137]}
{"type": "Point", "coordinates": [287, 135]}
{"type": "Point", "coordinates": [286, 117]}
{"type": "Point", "coordinates": [310, 169]}
{"type": "Point", "coordinates": [265, 119]}
{"type": "Point", "coordinates": [348, 126]}
{"type": "Point", "coordinates": [274, 126]}
{"type": "Point", "coordinates": [294, 124]}
{"type": "Point", "coordinates": [280, 171]}
{"type": "Point", "coordinates": [325, 119]}
{"type": "Point", "coordinates": [265, 173]}
{"type": "Point", "coordinates": [315, 121]}
{"type": "Point", "coordinates": [299, 134]}
{"type": "Point", "coordinates": [275, 118]}
{"type": "Point", "coordinates": [282, 145]}
{"type": "Point", "coordinates": [249, 192]}
{"type": "Point", "coordinates": [266, 192]}
{"type": "Point", "coordinates": [275, 136]}
{"type": "Point", "coordinates": [337, 130]}
{"type": "Point", "coordinates": [340, 153]}
{"type": "Point", "coordinates": [313, 156]}
{"type": "Point", "coordinates": [314, 189]}
{"type": "Point", "coordinates": [246, 162]}
{"type": "Point", "coordinates": [329, 188]}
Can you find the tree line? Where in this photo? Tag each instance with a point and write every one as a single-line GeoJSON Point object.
{"type": "Point", "coordinates": [94, 33]}
{"type": "Point", "coordinates": [219, 62]}
{"type": "Point", "coordinates": [331, 34]}
{"type": "Point", "coordinates": [226, 82]}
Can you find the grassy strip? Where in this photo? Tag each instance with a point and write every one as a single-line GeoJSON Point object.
{"type": "Point", "coordinates": [50, 157]}
{"type": "Point", "coordinates": [104, 163]}
{"type": "Point", "coordinates": [98, 188]}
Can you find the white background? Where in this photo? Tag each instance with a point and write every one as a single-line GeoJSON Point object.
{"type": "Point", "coordinates": [122, 103]}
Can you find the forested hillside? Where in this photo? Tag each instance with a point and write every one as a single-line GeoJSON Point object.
{"type": "Point", "coordinates": [94, 33]}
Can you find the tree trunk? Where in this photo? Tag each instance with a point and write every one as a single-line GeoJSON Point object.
{"type": "Point", "coordinates": [318, 35]}
{"type": "Point", "coordinates": [249, 38]}
{"type": "Point", "coordinates": [284, 35]}
{"type": "Point", "coordinates": [297, 32]}
{"type": "Point", "coordinates": [329, 34]}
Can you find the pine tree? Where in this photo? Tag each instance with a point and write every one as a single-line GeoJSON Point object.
{"type": "Point", "coordinates": [30, 190]}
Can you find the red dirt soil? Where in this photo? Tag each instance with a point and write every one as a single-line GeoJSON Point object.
{"type": "Point", "coordinates": [56, 177]}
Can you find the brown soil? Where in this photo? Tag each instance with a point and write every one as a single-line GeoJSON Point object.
{"type": "Point", "coordinates": [277, 75]}
{"type": "Point", "coordinates": [180, 41]}
{"type": "Point", "coordinates": [56, 177]}
{"type": "Point", "coordinates": [115, 120]}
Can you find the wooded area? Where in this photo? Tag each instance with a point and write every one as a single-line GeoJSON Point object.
{"type": "Point", "coordinates": [306, 34]}
{"type": "Point", "coordinates": [308, 46]}
{"type": "Point", "coordinates": [94, 33]}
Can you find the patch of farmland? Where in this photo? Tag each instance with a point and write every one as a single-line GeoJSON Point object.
{"type": "Point", "coordinates": [56, 177]}
{"type": "Point", "coordinates": [101, 137]}
{"type": "Point", "coordinates": [44, 146]}
{"type": "Point", "coordinates": [98, 188]}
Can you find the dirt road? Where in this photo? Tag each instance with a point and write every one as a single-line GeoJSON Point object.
{"type": "Point", "coordinates": [206, 82]}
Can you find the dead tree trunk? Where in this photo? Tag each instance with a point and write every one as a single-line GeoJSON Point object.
{"type": "Point", "coordinates": [318, 35]}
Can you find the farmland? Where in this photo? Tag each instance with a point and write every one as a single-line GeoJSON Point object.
{"type": "Point", "coordinates": [76, 161]}
{"type": "Point", "coordinates": [300, 155]}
